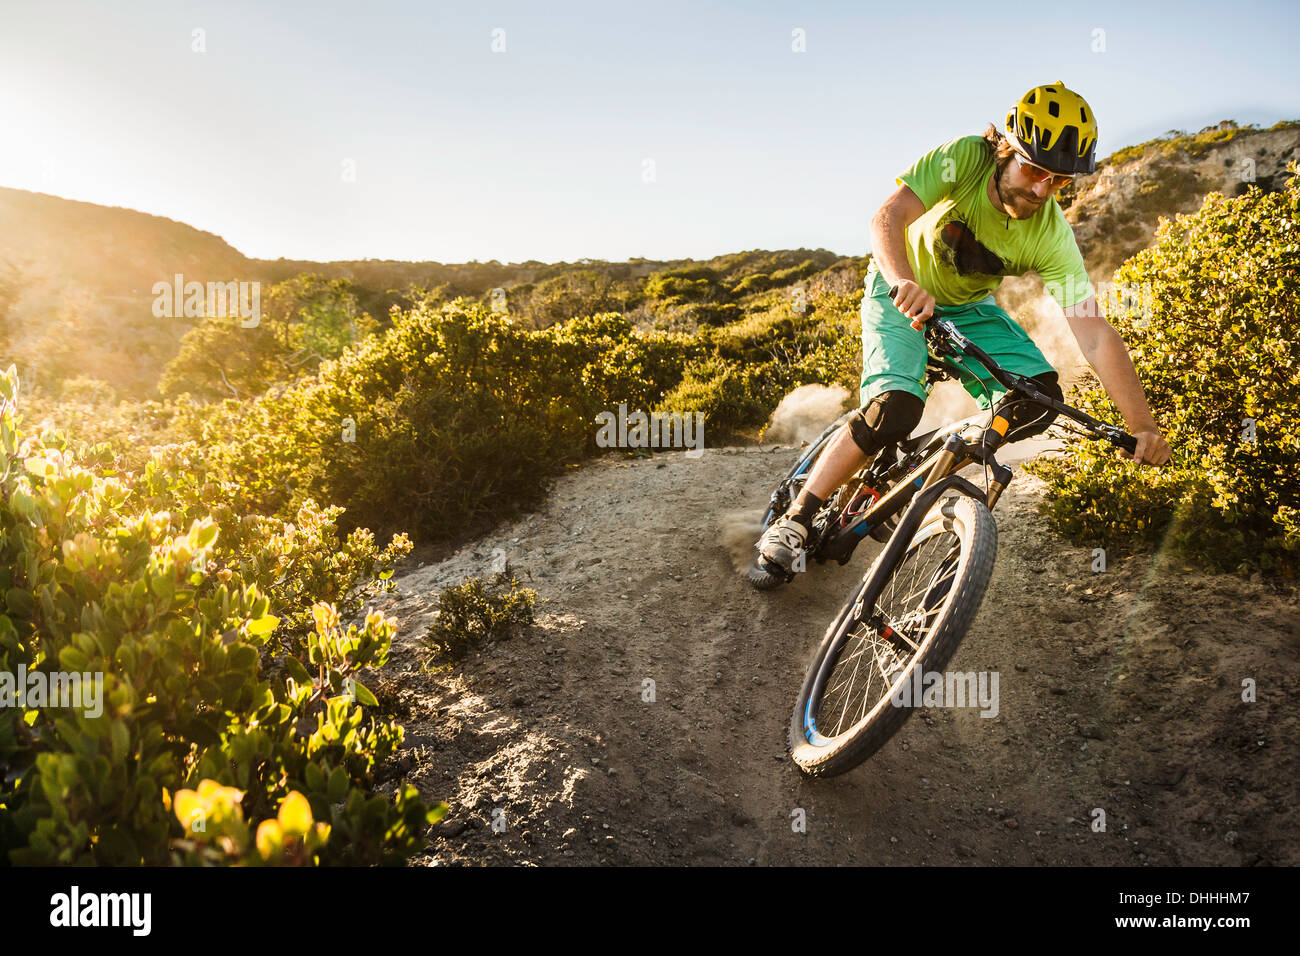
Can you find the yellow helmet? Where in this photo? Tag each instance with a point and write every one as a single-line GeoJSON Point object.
{"type": "Point", "coordinates": [1054, 127]}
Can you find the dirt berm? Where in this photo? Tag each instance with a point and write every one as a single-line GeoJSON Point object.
{"type": "Point", "coordinates": [1120, 694]}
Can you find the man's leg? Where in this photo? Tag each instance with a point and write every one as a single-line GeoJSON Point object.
{"type": "Point", "coordinates": [892, 397]}
{"type": "Point", "coordinates": [889, 417]}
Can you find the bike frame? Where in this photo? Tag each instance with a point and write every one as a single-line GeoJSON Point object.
{"type": "Point", "coordinates": [939, 460]}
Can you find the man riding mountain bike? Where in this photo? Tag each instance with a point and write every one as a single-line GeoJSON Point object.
{"type": "Point", "coordinates": [966, 214]}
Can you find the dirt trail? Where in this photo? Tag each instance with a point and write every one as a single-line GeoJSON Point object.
{"type": "Point", "coordinates": [1118, 690]}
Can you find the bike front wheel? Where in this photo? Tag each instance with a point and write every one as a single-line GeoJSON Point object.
{"type": "Point", "coordinates": [848, 707]}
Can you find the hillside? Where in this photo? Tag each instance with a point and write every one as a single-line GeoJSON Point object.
{"type": "Point", "coordinates": [76, 280]}
{"type": "Point", "coordinates": [1115, 210]}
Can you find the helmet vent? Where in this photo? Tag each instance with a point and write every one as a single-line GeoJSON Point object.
{"type": "Point", "coordinates": [1050, 89]}
{"type": "Point", "coordinates": [1054, 108]}
{"type": "Point", "coordinates": [1031, 97]}
{"type": "Point", "coordinates": [1083, 114]}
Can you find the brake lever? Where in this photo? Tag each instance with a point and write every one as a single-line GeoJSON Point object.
{"type": "Point", "coordinates": [1120, 439]}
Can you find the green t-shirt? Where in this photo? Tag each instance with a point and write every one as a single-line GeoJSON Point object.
{"type": "Point", "coordinates": [962, 245]}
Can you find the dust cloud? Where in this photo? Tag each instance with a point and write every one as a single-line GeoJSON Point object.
{"type": "Point", "coordinates": [804, 412]}
{"type": "Point", "coordinates": [948, 402]}
{"type": "Point", "coordinates": [1026, 301]}
{"type": "Point", "coordinates": [739, 531]}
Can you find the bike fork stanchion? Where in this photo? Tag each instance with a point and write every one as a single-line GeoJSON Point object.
{"type": "Point", "coordinates": [952, 448]}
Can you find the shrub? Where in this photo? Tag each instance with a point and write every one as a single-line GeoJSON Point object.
{"type": "Point", "coordinates": [125, 579]}
{"type": "Point", "coordinates": [451, 416]}
{"type": "Point", "coordinates": [566, 296]}
{"type": "Point", "coordinates": [1196, 144]}
{"type": "Point", "coordinates": [755, 282]}
{"type": "Point", "coordinates": [735, 398]}
{"type": "Point", "coordinates": [217, 834]}
{"type": "Point", "coordinates": [84, 390]}
{"type": "Point", "coordinates": [682, 286]}
{"type": "Point", "coordinates": [473, 612]}
{"type": "Point", "coordinates": [1217, 353]}
{"type": "Point", "coordinates": [795, 273]}
{"type": "Point", "coordinates": [306, 320]}
{"type": "Point", "coordinates": [708, 313]}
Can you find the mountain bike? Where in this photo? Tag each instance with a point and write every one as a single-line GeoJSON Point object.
{"type": "Point", "coordinates": [914, 604]}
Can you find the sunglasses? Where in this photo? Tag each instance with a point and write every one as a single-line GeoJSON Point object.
{"type": "Point", "coordinates": [1037, 174]}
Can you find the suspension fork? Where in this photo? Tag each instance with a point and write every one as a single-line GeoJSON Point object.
{"type": "Point", "coordinates": [992, 438]}
{"type": "Point", "coordinates": [943, 465]}
{"type": "Point", "coordinates": [908, 524]}
{"type": "Point", "coordinates": [956, 455]}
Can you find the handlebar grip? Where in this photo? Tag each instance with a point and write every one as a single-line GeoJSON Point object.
{"type": "Point", "coordinates": [935, 313]}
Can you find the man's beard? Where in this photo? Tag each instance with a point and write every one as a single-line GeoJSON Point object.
{"type": "Point", "coordinates": [1023, 204]}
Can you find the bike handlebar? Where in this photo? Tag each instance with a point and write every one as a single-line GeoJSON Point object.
{"type": "Point", "coordinates": [958, 345]}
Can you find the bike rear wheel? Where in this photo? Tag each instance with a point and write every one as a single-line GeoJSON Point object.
{"type": "Point", "coordinates": [846, 709]}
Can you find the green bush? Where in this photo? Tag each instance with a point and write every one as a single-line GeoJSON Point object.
{"type": "Point", "coordinates": [756, 282]}
{"type": "Point", "coordinates": [304, 321]}
{"type": "Point", "coordinates": [1211, 330]}
{"type": "Point", "coordinates": [682, 286]}
{"type": "Point", "coordinates": [736, 398]}
{"type": "Point", "coordinates": [84, 390]}
{"type": "Point", "coordinates": [576, 293]}
{"type": "Point", "coordinates": [748, 366]}
{"type": "Point", "coordinates": [452, 416]}
{"type": "Point", "coordinates": [795, 273]}
{"type": "Point", "coordinates": [725, 392]}
{"type": "Point", "coordinates": [125, 579]}
{"type": "Point", "coordinates": [472, 613]}
{"type": "Point", "coordinates": [708, 313]}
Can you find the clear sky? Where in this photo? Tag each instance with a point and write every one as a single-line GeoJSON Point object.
{"type": "Point", "coordinates": [540, 151]}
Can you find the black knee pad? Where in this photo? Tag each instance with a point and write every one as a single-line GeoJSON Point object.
{"type": "Point", "coordinates": [889, 417]}
{"type": "Point", "coordinates": [1028, 418]}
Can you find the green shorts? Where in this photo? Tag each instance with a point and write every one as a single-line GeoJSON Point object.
{"type": "Point", "coordinates": [894, 353]}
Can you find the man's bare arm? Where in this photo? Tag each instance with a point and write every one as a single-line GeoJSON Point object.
{"type": "Point", "coordinates": [1106, 352]}
{"type": "Point", "coordinates": [889, 248]}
